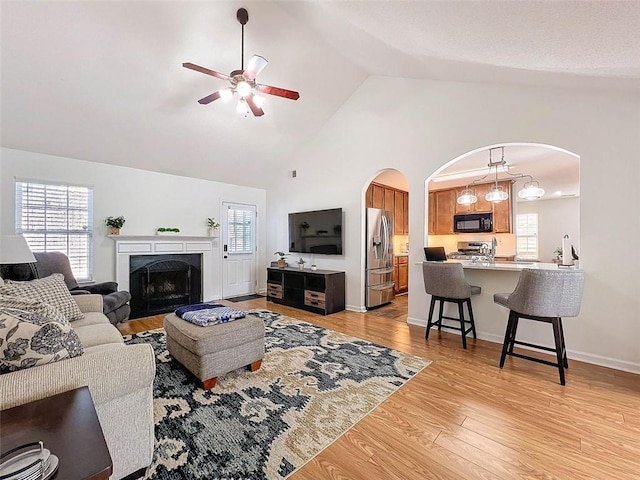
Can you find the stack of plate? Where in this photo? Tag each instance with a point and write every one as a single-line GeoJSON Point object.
{"type": "Point", "coordinates": [34, 464]}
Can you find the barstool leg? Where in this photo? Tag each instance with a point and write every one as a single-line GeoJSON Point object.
{"type": "Point", "coordinates": [507, 337]}
{"type": "Point", "coordinates": [462, 327]}
{"type": "Point", "coordinates": [440, 314]}
{"type": "Point", "coordinates": [514, 330]}
{"type": "Point", "coordinates": [558, 338]}
{"type": "Point", "coordinates": [564, 345]}
{"type": "Point", "coordinates": [429, 323]}
{"type": "Point", "coordinates": [473, 323]}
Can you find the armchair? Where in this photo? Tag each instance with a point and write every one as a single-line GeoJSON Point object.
{"type": "Point", "coordinates": [115, 304]}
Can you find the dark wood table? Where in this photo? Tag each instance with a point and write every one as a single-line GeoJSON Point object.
{"type": "Point", "coordinates": [68, 426]}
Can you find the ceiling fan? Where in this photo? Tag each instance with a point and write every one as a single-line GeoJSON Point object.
{"type": "Point", "coordinates": [243, 81]}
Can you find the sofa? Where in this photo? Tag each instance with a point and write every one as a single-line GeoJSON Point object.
{"type": "Point", "coordinates": [119, 377]}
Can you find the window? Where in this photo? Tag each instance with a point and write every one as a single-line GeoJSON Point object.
{"type": "Point", "coordinates": [57, 218]}
{"type": "Point", "coordinates": [527, 236]}
{"type": "Point", "coordinates": [240, 229]}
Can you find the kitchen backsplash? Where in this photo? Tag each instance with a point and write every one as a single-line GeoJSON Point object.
{"type": "Point", "coordinates": [506, 241]}
{"type": "Point", "coordinates": [400, 243]}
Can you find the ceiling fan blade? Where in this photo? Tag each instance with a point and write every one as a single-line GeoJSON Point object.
{"type": "Point", "coordinates": [278, 92]}
{"type": "Point", "coordinates": [256, 64]}
{"type": "Point", "coordinates": [257, 111]}
{"type": "Point", "coordinates": [206, 71]}
{"type": "Point", "coordinates": [209, 98]}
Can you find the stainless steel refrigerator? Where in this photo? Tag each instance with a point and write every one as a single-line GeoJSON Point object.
{"type": "Point", "coordinates": [379, 271]}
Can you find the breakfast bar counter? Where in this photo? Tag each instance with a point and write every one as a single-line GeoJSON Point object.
{"type": "Point", "coordinates": [506, 266]}
{"type": "Point", "coordinates": [491, 318]}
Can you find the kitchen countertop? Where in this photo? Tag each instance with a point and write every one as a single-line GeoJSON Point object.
{"type": "Point", "coordinates": [506, 266]}
{"type": "Point", "coordinates": [401, 254]}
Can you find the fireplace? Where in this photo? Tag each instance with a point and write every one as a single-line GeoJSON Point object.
{"type": "Point", "coordinates": [162, 283]}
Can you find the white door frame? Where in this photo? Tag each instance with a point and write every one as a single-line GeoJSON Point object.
{"type": "Point", "coordinates": [225, 290]}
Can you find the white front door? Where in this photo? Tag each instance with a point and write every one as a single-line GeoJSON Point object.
{"type": "Point", "coordinates": [238, 249]}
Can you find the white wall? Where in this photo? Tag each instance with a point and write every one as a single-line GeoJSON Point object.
{"type": "Point", "coordinates": [556, 217]}
{"type": "Point", "coordinates": [147, 200]}
{"type": "Point", "coordinates": [416, 126]}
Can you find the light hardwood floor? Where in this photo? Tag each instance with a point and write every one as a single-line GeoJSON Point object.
{"type": "Point", "coordinates": [464, 418]}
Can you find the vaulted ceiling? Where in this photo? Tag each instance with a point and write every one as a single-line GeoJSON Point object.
{"type": "Point", "coordinates": [103, 81]}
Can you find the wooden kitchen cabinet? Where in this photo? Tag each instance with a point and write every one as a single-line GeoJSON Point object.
{"type": "Point", "coordinates": [400, 274]}
{"type": "Point", "coordinates": [481, 206]}
{"type": "Point", "coordinates": [443, 206]}
{"type": "Point", "coordinates": [502, 211]}
{"type": "Point", "coordinates": [432, 213]}
{"type": "Point", "coordinates": [405, 210]}
{"type": "Point", "coordinates": [398, 212]}
{"type": "Point", "coordinates": [377, 196]}
{"type": "Point", "coordinates": [393, 200]}
{"type": "Point", "coordinates": [389, 203]}
{"type": "Point", "coordinates": [445, 201]}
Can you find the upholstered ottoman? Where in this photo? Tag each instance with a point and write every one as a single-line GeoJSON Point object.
{"type": "Point", "coordinates": [211, 351]}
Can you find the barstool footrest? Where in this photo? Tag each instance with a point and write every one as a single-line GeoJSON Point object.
{"type": "Point", "coordinates": [533, 359]}
{"type": "Point", "coordinates": [451, 327]}
{"type": "Point", "coordinates": [532, 345]}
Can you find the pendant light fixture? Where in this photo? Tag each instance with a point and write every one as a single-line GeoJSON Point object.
{"type": "Point", "coordinates": [531, 191]}
{"type": "Point", "coordinates": [497, 193]}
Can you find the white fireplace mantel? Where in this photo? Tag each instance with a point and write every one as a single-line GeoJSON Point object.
{"type": "Point", "coordinates": [128, 245]}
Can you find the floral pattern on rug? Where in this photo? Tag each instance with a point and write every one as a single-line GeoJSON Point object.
{"type": "Point", "coordinates": [314, 384]}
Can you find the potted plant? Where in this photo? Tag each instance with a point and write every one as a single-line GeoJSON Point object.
{"type": "Point", "coordinates": [114, 224]}
{"type": "Point", "coordinates": [213, 226]}
{"type": "Point", "coordinates": [167, 231]}
{"type": "Point", "coordinates": [558, 254]}
{"type": "Point", "coordinates": [301, 262]}
{"type": "Point", "coordinates": [282, 260]}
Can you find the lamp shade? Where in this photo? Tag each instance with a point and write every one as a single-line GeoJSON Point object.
{"type": "Point", "coordinates": [531, 191]}
{"type": "Point", "coordinates": [467, 197]}
{"type": "Point", "coordinates": [14, 249]}
{"type": "Point", "coordinates": [496, 194]}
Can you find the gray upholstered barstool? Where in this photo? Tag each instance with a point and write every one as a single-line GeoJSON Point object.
{"type": "Point", "coordinates": [543, 296]}
{"type": "Point", "coordinates": [445, 282]}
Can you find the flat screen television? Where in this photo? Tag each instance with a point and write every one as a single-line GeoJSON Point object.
{"type": "Point", "coordinates": [318, 231]}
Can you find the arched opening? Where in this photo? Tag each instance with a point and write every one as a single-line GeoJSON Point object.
{"type": "Point", "coordinates": [525, 229]}
{"type": "Point", "coordinates": [386, 242]}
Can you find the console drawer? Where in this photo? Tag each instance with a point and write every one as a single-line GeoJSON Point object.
{"type": "Point", "coordinates": [274, 290]}
{"type": "Point", "coordinates": [314, 299]}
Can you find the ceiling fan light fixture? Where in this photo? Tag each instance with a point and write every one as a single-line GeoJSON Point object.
{"type": "Point", "coordinates": [242, 107]}
{"type": "Point", "coordinates": [531, 191]}
{"type": "Point", "coordinates": [243, 81]}
{"type": "Point", "coordinates": [225, 94]}
{"type": "Point", "coordinates": [467, 197]}
{"type": "Point", "coordinates": [243, 88]}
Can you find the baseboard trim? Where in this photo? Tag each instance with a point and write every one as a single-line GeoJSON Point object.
{"type": "Point", "coordinates": [357, 309]}
{"type": "Point", "coordinates": [594, 359]}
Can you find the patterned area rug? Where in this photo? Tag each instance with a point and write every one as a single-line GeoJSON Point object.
{"type": "Point", "coordinates": [314, 384]}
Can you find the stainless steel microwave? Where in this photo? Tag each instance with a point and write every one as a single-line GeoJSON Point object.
{"type": "Point", "coordinates": [473, 223]}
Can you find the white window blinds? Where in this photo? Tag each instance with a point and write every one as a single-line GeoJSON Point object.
{"type": "Point", "coordinates": [57, 218]}
{"type": "Point", "coordinates": [527, 235]}
{"type": "Point", "coordinates": [240, 229]}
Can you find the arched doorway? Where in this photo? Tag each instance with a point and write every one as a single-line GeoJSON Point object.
{"type": "Point", "coordinates": [530, 229]}
{"type": "Point", "coordinates": [386, 205]}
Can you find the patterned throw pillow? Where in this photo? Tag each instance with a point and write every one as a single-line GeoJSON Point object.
{"type": "Point", "coordinates": [37, 306]}
{"type": "Point", "coordinates": [51, 290]}
{"type": "Point", "coordinates": [29, 339]}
